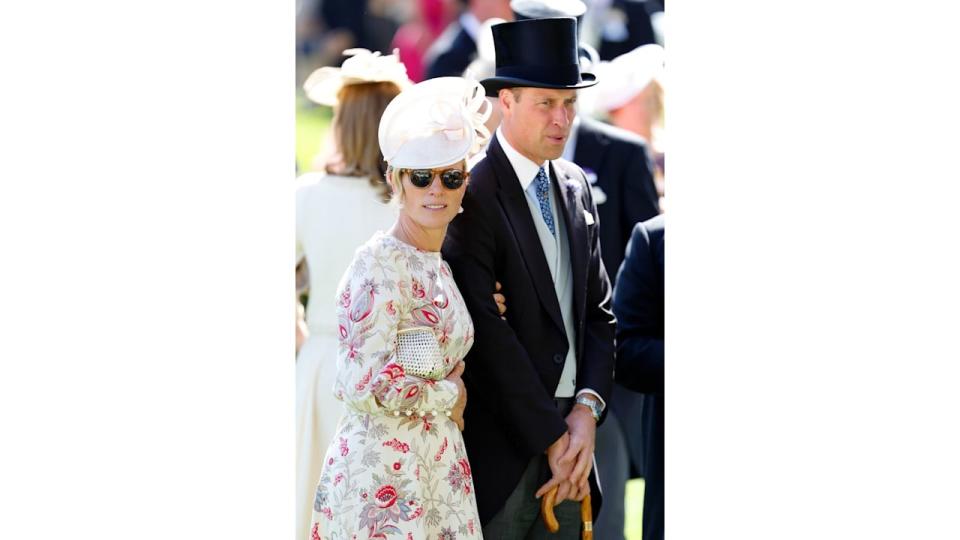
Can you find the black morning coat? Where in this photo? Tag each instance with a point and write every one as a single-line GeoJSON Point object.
{"type": "Point", "coordinates": [514, 366]}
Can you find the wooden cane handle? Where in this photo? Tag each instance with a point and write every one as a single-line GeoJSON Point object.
{"type": "Point", "coordinates": [546, 510]}
{"type": "Point", "coordinates": [550, 520]}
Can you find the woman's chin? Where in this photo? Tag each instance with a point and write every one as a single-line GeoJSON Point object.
{"type": "Point", "coordinates": [435, 219]}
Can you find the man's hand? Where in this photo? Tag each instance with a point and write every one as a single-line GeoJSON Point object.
{"type": "Point", "coordinates": [580, 493]}
{"type": "Point", "coordinates": [561, 470]}
{"type": "Point", "coordinates": [500, 300]}
{"type": "Point", "coordinates": [583, 432]}
{"type": "Point", "coordinates": [456, 413]}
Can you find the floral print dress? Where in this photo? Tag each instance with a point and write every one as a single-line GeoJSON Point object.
{"type": "Point", "coordinates": [397, 468]}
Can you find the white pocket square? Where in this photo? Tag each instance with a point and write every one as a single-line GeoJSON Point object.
{"type": "Point", "coordinates": [588, 217]}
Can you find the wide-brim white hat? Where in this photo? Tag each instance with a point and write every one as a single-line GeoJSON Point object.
{"type": "Point", "coordinates": [363, 66]}
{"type": "Point", "coordinates": [627, 75]}
{"type": "Point", "coordinates": [433, 123]}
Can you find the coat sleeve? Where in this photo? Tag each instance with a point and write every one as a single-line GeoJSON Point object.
{"type": "Point", "coordinates": [498, 363]}
{"type": "Point", "coordinates": [635, 301]}
{"type": "Point", "coordinates": [373, 294]}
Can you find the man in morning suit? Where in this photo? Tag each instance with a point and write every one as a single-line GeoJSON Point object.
{"type": "Point", "coordinates": [638, 303]}
{"type": "Point", "coordinates": [619, 168]}
{"type": "Point", "coordinates": [538, 381]}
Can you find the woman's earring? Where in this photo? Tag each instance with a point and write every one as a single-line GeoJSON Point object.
{"type": "Point", "coordinates": [460, 211]}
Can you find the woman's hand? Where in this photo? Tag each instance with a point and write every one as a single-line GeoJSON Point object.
{"type": "Point", "coordinates": [456, 413]}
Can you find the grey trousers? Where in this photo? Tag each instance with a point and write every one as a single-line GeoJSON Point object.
{"type": "Point", "coordinates": [519, 519]}
{"type": "Point", "coordinates": [613, 470]}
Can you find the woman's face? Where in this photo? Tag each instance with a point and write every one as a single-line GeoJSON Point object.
{"type": "Point", "coordinates": [432, 199]}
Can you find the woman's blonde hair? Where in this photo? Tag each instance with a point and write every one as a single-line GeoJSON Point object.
{"type": "Point", "coordinates": [355, 124]}
{"type": "Point", "coordinates": [395, 183]}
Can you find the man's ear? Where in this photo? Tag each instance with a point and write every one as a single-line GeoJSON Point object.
{"type": "Point", "coordinates": [505, 96]}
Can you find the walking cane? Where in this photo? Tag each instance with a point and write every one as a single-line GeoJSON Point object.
{"type": "Point", "coordinates": [550, 520]}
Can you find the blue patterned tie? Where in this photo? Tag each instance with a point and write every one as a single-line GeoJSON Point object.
{"type": "Point", "coordinates": [543, 196]}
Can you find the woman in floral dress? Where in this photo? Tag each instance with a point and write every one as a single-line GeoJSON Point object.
{"type": "Point", "coordinates": [397, 468]}
{"type": "Point", "coordinates": [337, 209]}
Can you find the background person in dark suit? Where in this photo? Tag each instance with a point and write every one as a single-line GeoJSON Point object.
{"type": "Point", "coordinates": [538, 381]}
{"type": "Point", "coordinates": [638, 304]}
{"type": "Point", "coordinates": [456, 47]}
{"type": "Point", "coordinates": [619, 168]}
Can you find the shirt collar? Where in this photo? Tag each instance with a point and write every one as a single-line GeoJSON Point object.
{"type": "Point", "coordinates": [470, 24]}
{"type": "Point", "coordinates": [525, 169]}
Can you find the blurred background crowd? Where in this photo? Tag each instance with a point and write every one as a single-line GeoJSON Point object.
{"type": "Point", "coordinates": [617, 139]}
{"type": "Point", "coordinates": [440, 37]}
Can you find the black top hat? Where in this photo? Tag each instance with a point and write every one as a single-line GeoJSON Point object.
{"type": "Point", "coordinates": [541, 53]}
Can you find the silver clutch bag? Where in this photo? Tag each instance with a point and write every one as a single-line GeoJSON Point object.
{"type": "Point", "coordinates": [418, 352]}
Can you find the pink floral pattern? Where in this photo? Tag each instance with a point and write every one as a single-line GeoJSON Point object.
{"type": "Point", "coordinates": [397, 468]}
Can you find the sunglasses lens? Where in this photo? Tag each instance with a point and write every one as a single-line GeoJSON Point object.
{"type": "Point", "coordinates": [421, 177]}
{"type": "Point", "coordinates": [452, 178]}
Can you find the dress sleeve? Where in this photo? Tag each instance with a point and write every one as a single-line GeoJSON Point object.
{"type": "Point", "coordinates": [374, 294]}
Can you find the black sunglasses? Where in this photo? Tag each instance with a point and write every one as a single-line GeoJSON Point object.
{"type": "Point", "coordinates": [450, 178]}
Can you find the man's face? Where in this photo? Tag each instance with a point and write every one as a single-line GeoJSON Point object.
{"type": "Point", "coordinates": [536, 121]}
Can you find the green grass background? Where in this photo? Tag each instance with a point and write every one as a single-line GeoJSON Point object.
{"type": "Point", "coordinates": [312, 125]}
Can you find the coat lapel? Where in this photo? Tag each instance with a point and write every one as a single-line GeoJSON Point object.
{"type": "Point", "coordinates": [569, 202]}
{"type": "Point", "coordinates": [518, 214]}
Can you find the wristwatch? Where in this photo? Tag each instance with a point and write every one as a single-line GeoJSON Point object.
{"type": "Point", "coordinates": [591, 403]}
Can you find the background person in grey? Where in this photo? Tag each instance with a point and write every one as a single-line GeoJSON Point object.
{"type": "Point", "coordinates": [539, 381]}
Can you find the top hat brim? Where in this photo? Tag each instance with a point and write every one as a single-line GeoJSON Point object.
{"type": "Point", "coordinates": [493, 85]}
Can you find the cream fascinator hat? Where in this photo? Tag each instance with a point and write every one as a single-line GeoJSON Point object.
{"type": "Point", "coordinates": [433, 123]}
{"type": "Point", "coordinates": [363, 66]}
